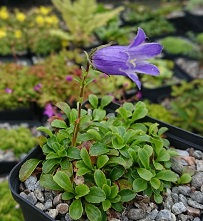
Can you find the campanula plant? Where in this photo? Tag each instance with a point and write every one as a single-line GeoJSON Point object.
{"type": "Point", "coordinates": [100, 161]}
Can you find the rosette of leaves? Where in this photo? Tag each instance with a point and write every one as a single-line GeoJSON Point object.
{"type": "Point", "coordinates": [115, 157]}
{"type": "Point", "coordinates": [80, 19]}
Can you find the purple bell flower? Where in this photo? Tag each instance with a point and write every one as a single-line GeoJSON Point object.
{"type": "Point", "coordinates": [128, 60]}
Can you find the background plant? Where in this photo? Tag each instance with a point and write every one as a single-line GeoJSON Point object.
{"type": "Point", "coordinates": [19, 139]}
{"type": "Point", "coordinates": [78, 17]}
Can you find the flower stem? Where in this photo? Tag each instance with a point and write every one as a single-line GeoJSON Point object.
{"type": "Point", "coordinates": [81, 98]}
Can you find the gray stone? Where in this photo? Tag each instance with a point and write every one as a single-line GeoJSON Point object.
{"type": "Point", "coordinates": [183, 153]}
{"type": "Point", "coordinates": [176, 165]}
{"type": "Point", "coordinates": [198, 154]}
{"type": "Point", "coordinates": [185, 190]}
{"type": "Point", "coordinates": [164, 215]}
{"type": "Point", "coordinates": [178, 208]}
{"type": "Point", "coordinates": [199, 164]}
{"type": "Point", "coordinates": [62, 208]}
{"type": "Point", "coordinates": [182, 217]}
{"type": "Point", "coordinates": [183, 199]}
{"type": "Point", "coordinates": [30, 183]}
{"type": "Point", "coordinates": [196, 219]}
{"type": "Point", "coordinates": [153, 214]}
{"type": "Point", "coordinates": [24, 195]}
{"type": "Point", "coordinates": [136, 214]}
{"type": "Point", "coordinates": [32, 198]}
{"type": "Point", "coordinates": [168, 202]}
{"type": "Point", "coordinates": [193, 211]}
{"type": "Point", "coordinates": [197, 196]}
{"type": "Point", "coordinates": [68, 218]}
{"type": "Point", "coordinates": [194, 204]}
{"type": "Point", "coordinates": [40, 206]}
{"type": "Point", "coordinates": [197, 180]}
{"type": "Point", "coordinates": [39, 194]}
{"type": "Point", "coordinates": [57, 199]}
{"type": "Point", "coordinates": [52, 213]}
{"type": "Point", "coordinates": [48, 204]}
{"type": "Point", "coordinates": [175, 197]}
{"type": "Point", "coordinates": [48, 195]}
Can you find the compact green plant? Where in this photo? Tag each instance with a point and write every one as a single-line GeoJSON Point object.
{"type": "Point", "coordinates": [180, 46]}
{"type": "Point", "coordinates": [81, 18]}
{"type": "Point", "coordinates": [100, 161]}
{"type": "Point", "coordinates": [8, 207]}
{"type": "Point", "coordinates": [19, 139]}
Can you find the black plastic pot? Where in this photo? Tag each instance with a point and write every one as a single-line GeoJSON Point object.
{"type": "Point", "coordinates": [195, 20]}
{"type": "Point", "coordinates": [178, 138]}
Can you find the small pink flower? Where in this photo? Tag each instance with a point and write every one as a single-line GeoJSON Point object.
{"type": "Point", "coordinates": [49, 110]}
{"type": "Point", "coordinates": [38, 87]}
{"type": "Point", "coordinates": [69, 78]}
{"type": "Point", "coordinates": [8, 90]}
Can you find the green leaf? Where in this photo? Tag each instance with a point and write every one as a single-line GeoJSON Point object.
{"type": "Point", "coordinates": [106, 188]}
{"type": "Point", "coordinates": [28, 168]}
{"type": "Point", "coordinates": [45, 130]}
{"type": "Point", "coordinates": [46, 180]}
{"type": "Point", "coordinates": [117, 160]}
{"type": "Point", "coordinates": [64, 107]}
{"type": "Point", "coordinates": [157, 165]}
{"type": "Point", "coordinates": [158, 198]}
{"type": "Point", "coordinates": [59, 124]}
{"type": "Point", "coordinates": [106, 205]}
{"type": "Point", "coordinates": [94, 134]}
{"type": "Point", "coordinates": [98, 149]}
{"type": "Point", "coordinates": [139, 185]}
{"type": "Point", "coordinates": [105, 100]}
{"type": "Point", "coordinates": [114, 192]}
{"type": "Point", "coordinates": [98, 114]}
{"type": "Point", "coordinates": [144, 157]}
{"type": "Point", "coordinates": [163, 156]}
{"type": "Point", "coordinates": [63, 180]}
{"type": "Point", "coordinates": [93, 212]}
{"type": "Point", "coordinates": [116, 173]}
{"type": "Point", "coordinates": [144, 174]}
{"type": "Point", "coordinates": [96, 195]}
{"type": "Point", "coordinates": [74, 153]}
{"type": "Point", "coordinates": [124, 113]}
{"type": "Point", "coordinates": [49, 164]}
{"type": "Point", "coordinates": [76, 209]}
{"type": "Point", "coordinates": [102, 160]}
{"type": "Point", "coordinates": [68, 196]}
{"type": "Point", "coordinates": [185, 178]}
{"type": "Point", "coordinates": [140, 111]}
{"type": "Point", "coordinates": [99, 178]}
{"type": "Point", "coordinates": [155, 183]}
{"type": "Point", "coordinates": [86, 158]}
{"type": "Point", "coordinates": [93, 99]}
{"type": "Point", "coordinates": [81, 190]}
{"type": "Point", "coordinates": [65, 164]}
{"type": "Point", "coordinates": [127, 195]}
{"type": "Point", "coordinates": [167, 175]}
{"type": "Point", "coordinates": [162, 130]}
{"type": "Point", "coordinates": [41, 140]}
{"type": "Point", "coordinates": [117, 206]}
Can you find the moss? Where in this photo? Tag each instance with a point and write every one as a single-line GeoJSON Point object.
{"type": "Point", "coordinates": [8, 209]}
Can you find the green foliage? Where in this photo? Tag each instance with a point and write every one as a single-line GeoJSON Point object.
{"type": "Point", "coordinates": [193, 4]}
{"type": "Point", "coordinates": [115, 157]}
{"type": "Point", "coordinates": [157, 27]}
{"type": "Point", "coordinates": [178, 45]}
{"type": "Point", "coordinates": [81, 18]}
{"type": "Point", "coordinates": [20, 140]}
{"type": "Point", "coordinates": [20, 81]}
{"type": "Point", "coordinates": [8, 209]}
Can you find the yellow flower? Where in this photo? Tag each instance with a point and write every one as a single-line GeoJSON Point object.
{"type": "Point", "coordinates": [40, 20]}
{"type": "Point", "coordinates": [4, 13]}
{"type": "Point", "coordinates": [44, 10]}
{"type": "Point", "coordinates": [51, 20]}
{"type": "Point", "coordinates": [2, 33]}
{"type": "Point", "coordinates": [18, 34]}
{"type": "Point", "coordinates": [20, 16]}
{"type": "Point", "coordinates": [64, 43]}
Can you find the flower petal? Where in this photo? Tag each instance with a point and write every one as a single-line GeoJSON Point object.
{"type": "Point", "coordinates": [146, 68]}
{"type": "Point", "coordinates": [145, 51]}
{"type": "Point", "coordinates": [133, 76]}
{"type": "Point", "coordinates": [139, 39]}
